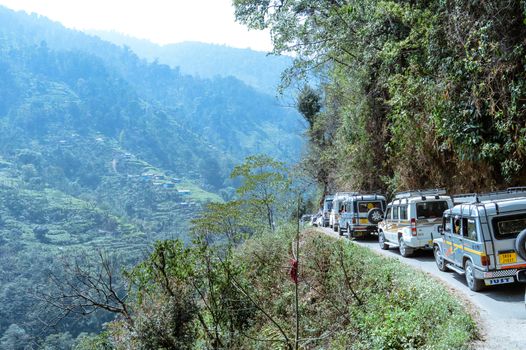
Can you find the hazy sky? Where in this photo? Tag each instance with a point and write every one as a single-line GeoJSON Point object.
{"type": "Point", "coordinates": [160, 21]}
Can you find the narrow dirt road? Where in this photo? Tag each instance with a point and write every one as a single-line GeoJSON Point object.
{"type": "Point", "coordinates": [500, 309]}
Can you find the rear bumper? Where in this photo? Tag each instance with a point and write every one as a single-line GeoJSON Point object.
{"type": "Point", "coordinates": [364, 229]}
{"type": "Point", "coordinates": [495, 273]}
{"type": "Point", "coordinates": [418, 242]}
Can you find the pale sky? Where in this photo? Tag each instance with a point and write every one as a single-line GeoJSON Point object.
{"type": "Point", "coordinates": [160, 21]}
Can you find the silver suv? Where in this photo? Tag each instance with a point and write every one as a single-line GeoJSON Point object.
{"type": "Point", "coordinates": [412, 220]}
{"type": "Point", "coordinates": [361, 214]}
{"type": "Point", "coordinates": [337, 208]}
{"type": "Point", "coordinates": [484, 238]}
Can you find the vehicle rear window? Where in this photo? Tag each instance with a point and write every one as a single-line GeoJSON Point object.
{"type": "Point", "coordinates": [328, 204]}
{"type": "Point", "coordinates": [403, 212]}
{"type": "Point", "coordinates": [388, 214]}
{"type": "Point", "coordinates": [508, 227]}
{"type": "Point", "coordinates": [429, 210]}
{"type": "Point", "coordinates": [364, 207]}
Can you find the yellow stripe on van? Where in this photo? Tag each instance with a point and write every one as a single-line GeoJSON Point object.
{"type": "Point", "coordinates": [474, 251]}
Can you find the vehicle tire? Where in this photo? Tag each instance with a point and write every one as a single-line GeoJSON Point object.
{"type": "Point", "coordinates": [381, 241]}
{"type": "Point", "coordinates": [340, 231]}
{"type": "Point", "coordinates": [473, 283]}
{"type": "Point", "coordinates": [335, 228]}
{"type": "Point", "coordinates": [520, 244]}
{"type": "Point", "coordinates": [375, 215]}
{"type": "Point", "coordinates": [439, 259]}
{"type": "Point", "coordinates": [350, 233]}
{"type": "Point", "coordinates": [405, 251]}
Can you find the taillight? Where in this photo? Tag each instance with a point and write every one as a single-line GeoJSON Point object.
{"type": "Point", "coordinates": [354, 221]}
{"type": "Point", "coordinates": [484, 260]}
{"type": "Point", "coordinates": [413, 227]}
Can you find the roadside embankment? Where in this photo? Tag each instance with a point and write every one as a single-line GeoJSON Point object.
{"type": "Point", "coordinates": [352, 298]}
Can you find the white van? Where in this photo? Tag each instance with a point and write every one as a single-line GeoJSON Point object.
{"type": "Point", "coordinates": [413, 219]}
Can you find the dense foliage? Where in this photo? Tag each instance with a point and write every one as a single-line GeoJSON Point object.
{"type": "Point", "coordinates": [415, 93]}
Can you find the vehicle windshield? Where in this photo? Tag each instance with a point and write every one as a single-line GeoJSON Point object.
{"type": "Point", "coordinates": [328, 205]}
{"type": "Point", "coordinates": [364, 207]}
{"type": "Point", "coordinates": [507, 227]}
{"type": "Point", "coordinates": [430, 210]}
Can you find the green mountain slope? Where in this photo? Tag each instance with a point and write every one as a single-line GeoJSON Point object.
{"type": "Point", "coordinates": [102, 150]}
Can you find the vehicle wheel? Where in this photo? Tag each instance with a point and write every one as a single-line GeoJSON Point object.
{"type": "Point", "coordinates": [520, 244]}
{"type": "Point", "coordinates": [405, 251]}
{"type": "Point", "coordinates": [439, 259]}
{"type": "Point", "coordinates": [375, 215]}
{"type": "Point", "coordinates": [473, 283]}
{"type": "Point", "coordinates": [381, 241]}
{"type": "Point", "coordinates": [335, 228]}
{"type": "Point", "coordinates": [340, 231]}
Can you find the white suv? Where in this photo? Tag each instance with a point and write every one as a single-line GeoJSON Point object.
{"type": "Point", "coordinates": [413, 219]}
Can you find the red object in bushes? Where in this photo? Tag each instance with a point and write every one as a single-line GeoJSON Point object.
{"type": "Point", "coordinates": [294, 270]}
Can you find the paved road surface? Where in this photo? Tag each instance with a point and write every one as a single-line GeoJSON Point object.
{"type": "Point", "coordinates": [500, 309]}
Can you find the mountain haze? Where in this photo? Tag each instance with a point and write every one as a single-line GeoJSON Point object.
{"type": "Point", "coordinates": [260, 70]}
{"type": "Point", "coordinates": [100, 149]}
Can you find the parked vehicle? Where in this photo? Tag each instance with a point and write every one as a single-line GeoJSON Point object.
{"type": "Point", "coordinates": [319, 220]}
{"type": "Point", "coordinates": [412, 220]}
{"type": "Point", "coordinates": [484, 238]}
{"type": "Point", "coordinates": [361, 214]}
{"type": "Point", "coordinates": [305, 218]}
{"type": "Point", "coordinates": [337, 208]}
{"type": "Point", "coordinates": [327, 207]}
{"type": "Point", "coordinates": [314, 219]}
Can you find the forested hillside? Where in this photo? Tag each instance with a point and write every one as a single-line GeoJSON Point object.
{"type": "Point", "coordinates": [102, 150]}
{"type": "Point", "coordinates": [416, 93]}
{"type": "Point", "coordinates": [260, 70]}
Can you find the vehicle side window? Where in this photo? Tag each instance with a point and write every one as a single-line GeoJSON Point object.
{"type": "Point", "coordinates": [403, 212]}
{"type": "Point", "coordinates": [446, 224]}
{"type": "Point", "coordinates": [395, 213]}
{"type": "Point", "coordinates": [388, 214]}
{"type": "Point", "coordinates": [456, 225]}
{"type": "Point", "coordinates": [469, 229]}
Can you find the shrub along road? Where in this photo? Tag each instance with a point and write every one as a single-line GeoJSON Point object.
{"type": "Point", "coordinates": [500, 310]}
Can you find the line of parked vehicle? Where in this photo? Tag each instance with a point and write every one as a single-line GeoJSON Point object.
{"type": "Point", "coordinates": [480, 236]}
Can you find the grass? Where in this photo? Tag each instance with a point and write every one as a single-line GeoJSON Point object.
{"type": "Point", "coordinates": [351, 298]}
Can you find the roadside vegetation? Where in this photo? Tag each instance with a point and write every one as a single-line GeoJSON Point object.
{"type": "Point", "coordinates": [412, 94]}
{"type": "Point", "coordinates": [243, 298]}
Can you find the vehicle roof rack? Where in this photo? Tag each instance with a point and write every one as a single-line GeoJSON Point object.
{"type": "Point", "coordinates": [428, 192]}
{"type": "Point", "coordinates": [346, 194]}
{"type": "Point", "coordinates": [510, 192]}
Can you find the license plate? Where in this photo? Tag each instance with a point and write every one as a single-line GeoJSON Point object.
{"type": "Point", "coordinates": [508, 258]}
{"type": "Point", "coordinates": [501, 280]}
{"type": "Point", "coordinates": [364, 221]}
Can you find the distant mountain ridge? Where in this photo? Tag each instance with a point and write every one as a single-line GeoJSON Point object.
{"type": "Point", "coordinates": [260, 70]}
